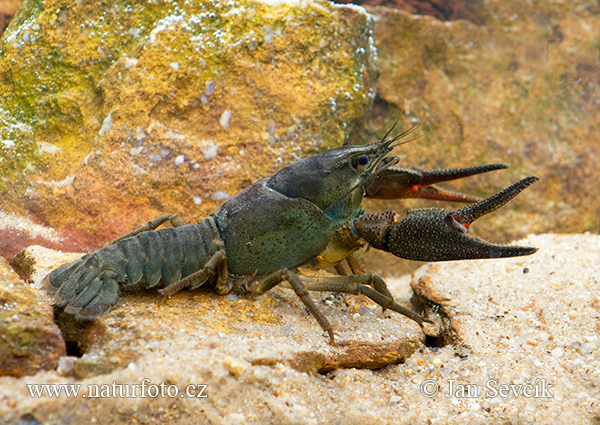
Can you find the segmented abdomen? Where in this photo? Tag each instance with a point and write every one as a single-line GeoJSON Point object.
{"type": "Point", "coordinates": [90, 286]}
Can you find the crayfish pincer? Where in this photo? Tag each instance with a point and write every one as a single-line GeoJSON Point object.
{"type": "Point", "coordinates": [437, 234]}
{"type": "Point", "coordinates": [307, 214]}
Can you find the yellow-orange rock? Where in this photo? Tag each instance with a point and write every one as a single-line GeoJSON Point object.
{"type": "Point", "coordinates": [30, 341]}
{"type": "Point", "coordinates": [113, 113]}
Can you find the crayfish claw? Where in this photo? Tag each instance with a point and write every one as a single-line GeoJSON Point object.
{"type": "Point", "coordinates": [438, 176]}
{"type": "Point", "coordinates": [437, 234]}
{"type": "Point", "coordinates": [470, 213]}
{"type": "Point", "coordinates": [398, 183]}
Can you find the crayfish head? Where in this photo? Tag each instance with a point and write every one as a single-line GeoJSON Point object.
{"type": "Point", "coordinates": [334, 180]}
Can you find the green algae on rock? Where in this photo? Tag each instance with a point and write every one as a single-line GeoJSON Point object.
{"type": "Point", "coordinates": [126, 110]}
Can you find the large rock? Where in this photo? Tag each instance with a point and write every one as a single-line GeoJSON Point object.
{"type": "Point", "coordinates": [520, 321]}
{"type": "Point", "coordinates": [519, 89]}
{"type": "Point", "coordinates": [30, 341]}
{"type": "Point", "coordinates": [106, 133]}
{"type": "Point", "coordinates": [113, 113]}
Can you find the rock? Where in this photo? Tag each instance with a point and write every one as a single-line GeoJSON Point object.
{"type": "Point", "coordinates": [505, 91]}
{"type": "Point", "coordinates": [444, 10]}
{"type": "Point", "coordinates": [521, 321]}
{"type": "Point", "coordinates": [115, 113]}
{"type": "Point", "coordinates": [197, 337]}
{"type": "Point", "coordinates": [30, 341]}
{"type": "Point", "coordinates": [8, 8]}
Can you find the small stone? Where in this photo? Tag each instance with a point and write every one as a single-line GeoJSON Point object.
{"type": "Point", "coordinates": [219, 195]}
{"type": "Point", "coordinates": [210, 152]}
{"type": "Point", "coordinates": [136, 151]}
{"type": "Point", "coordinates": [210, 88]}
{"type": "Point", "coordinates": [139, 133]}
{"type": "Point", "coordinates": [235, 366]}
{"type": "Point", "coordinates": [138, 171]}
{"type": "Point", "coordinates": [557, 352]}
{"type": "Point", "coordinates": [106, 125]}
{"type": "Point", "coordinates": [224, 120]}
{"type": "Point", "coordinates": [65, 365]}
{"type": "Point", "coordinates": [134, 32]}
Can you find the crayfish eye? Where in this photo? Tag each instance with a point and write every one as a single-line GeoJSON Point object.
{"type": "Point", "coordinates": [361, 161]}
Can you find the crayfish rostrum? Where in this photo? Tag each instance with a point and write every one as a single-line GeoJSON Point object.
{"type": "Point", "coordinates": [307, 214]}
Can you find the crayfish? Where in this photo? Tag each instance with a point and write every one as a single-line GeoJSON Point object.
{"type": "Point", "coordinates": [307, 214]}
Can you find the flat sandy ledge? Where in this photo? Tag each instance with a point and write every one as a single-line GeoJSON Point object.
{"type": "Point", "coordinates": [525, 349]}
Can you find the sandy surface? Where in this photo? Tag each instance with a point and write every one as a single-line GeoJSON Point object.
{"type": "Point", "coordinates": [526, 350]}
